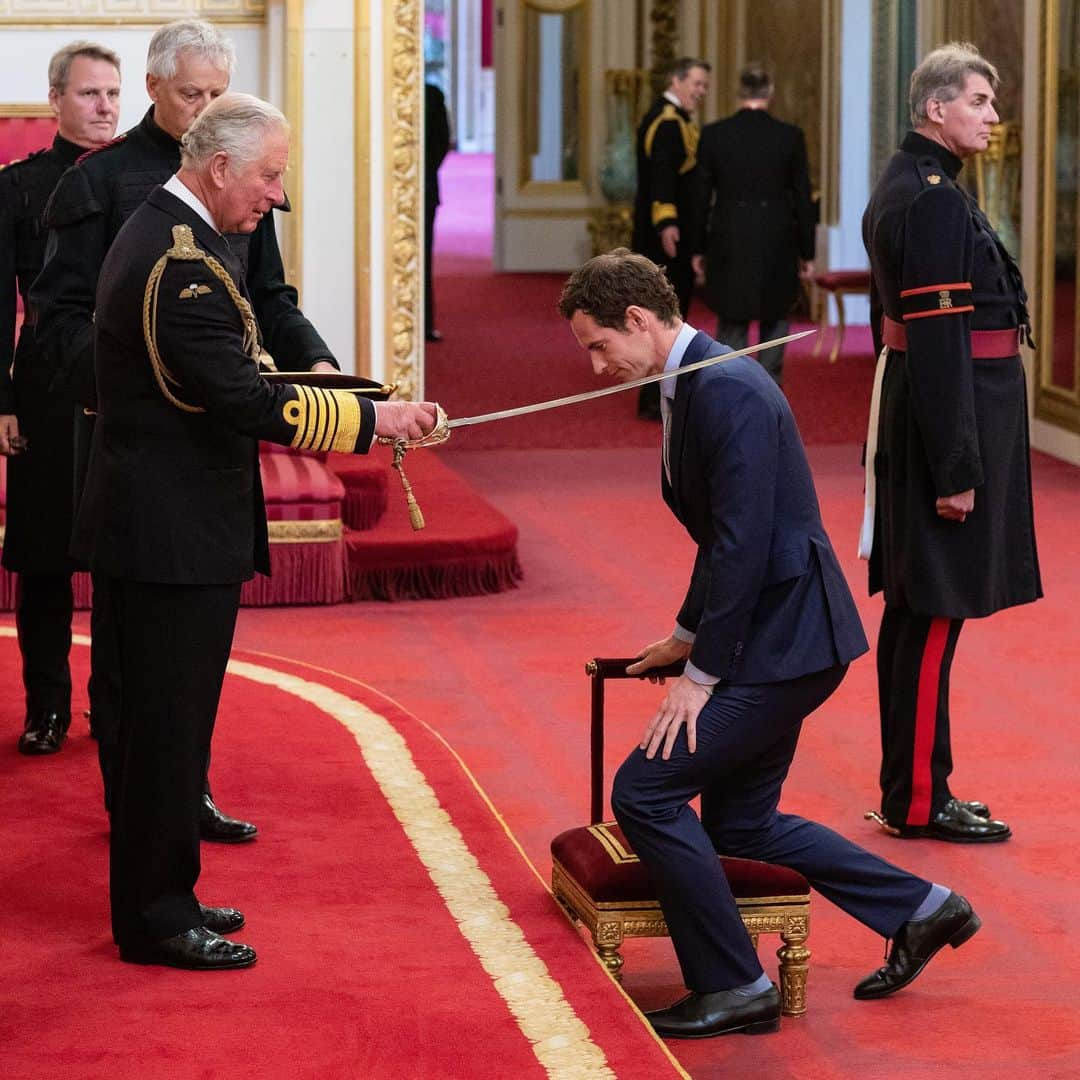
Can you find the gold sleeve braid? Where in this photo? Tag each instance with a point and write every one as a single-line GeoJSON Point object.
{"type": "Point", "coordinates": [324, 419]}
{"type": "Point", "coordinates": [185, 249]}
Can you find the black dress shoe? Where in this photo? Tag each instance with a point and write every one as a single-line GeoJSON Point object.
{"type": "Point", "coordinates": [219, 827]}
{"type": "Point", "coordinates": [701, 1016]}
{"type": "Point", "coordinates": [916, 943]}
{"type": "Point", "coordinates": [979, 809]}
{"type": "Point", "coordinates": [44, 733]}
{"type": "Point", "coordinates": [955, 822]}
{"type": "Point", "coordinates": [222, 920]}
{"type": "Point", "coordinates": [197, 950]}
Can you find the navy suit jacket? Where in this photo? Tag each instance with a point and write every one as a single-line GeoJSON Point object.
{"type": "Point", "coordinates": [767, 598]}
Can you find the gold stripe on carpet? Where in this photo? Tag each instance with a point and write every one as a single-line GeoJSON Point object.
{"type": "Point", "coordinates": [560, 1040]}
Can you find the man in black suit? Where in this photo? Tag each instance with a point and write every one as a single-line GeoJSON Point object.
{"type": "Point", "coordinates": [767, 629]}
{"type": "Point", "coordinates": [436, 147]}
{"type": "Point", "coordinates": [668, 199]}
{"type": "Point", "coordinates": [188, 64]}
{"type": "Point", "coordinates": [760, 233]}
{"type": "Point", "coordinates": [173, 517]}
{"type": "Point", "coordinates": [36, 423]}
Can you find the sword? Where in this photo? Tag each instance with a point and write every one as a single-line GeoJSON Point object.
{"type": "Point", "coordinates": [444, 425]}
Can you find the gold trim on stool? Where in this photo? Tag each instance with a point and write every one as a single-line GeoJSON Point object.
{"type": "Point", "coordinates": [304, 532]}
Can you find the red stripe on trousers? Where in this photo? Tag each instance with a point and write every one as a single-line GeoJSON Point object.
{"type": "Point", "coordinates": [926, 705]}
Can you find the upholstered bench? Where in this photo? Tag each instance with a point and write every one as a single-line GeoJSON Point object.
{"type": "Point", "coordinates": [365, 482]}
{"type": "Point", "coordinates": [599, 881]}
{"type": "Point", "coordinates": [839, 283]}
{"type": "Point", "coordinates": [303, 512]}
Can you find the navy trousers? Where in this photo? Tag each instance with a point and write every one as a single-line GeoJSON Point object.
{"type": "Point", "coordinates": [746, 738]}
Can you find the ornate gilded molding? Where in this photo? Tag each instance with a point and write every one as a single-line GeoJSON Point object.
{"type": "Point", "coordinates": [294, 112]}
{"type": "Point", "coordinates": [665, 31]}
{"type": "Point", "coordinates": [304, 532]}
{"type": "Point", "coordinates": [404, 196]}
{"type": "Point", "coordinates": [23, 110]}
{"type": "Point", "coordinates": [362, 45]}
{"type": "Point", "coordinates": [39, 13]}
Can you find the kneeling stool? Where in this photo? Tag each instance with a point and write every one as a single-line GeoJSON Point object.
{"type": "Point", "coordinates": [598, 880]}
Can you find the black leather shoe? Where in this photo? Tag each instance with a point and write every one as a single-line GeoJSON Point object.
{"type": "Point", "coordinates": [222, 920]}
{"type": "Point", "coordinates": [44, 734]}
{"type": "Point", "coordinates": [219, 827]}
{"type": "Point", "coordinates": [197, 950]}
{"type": "Point", "coordinates": [955, 822]}
{"type": "Point", "coordinates": [701, 1016]}
{"type": "Point", "coordinates": [916, 943]}
{"type": "Point", "coordinates": [979, 809]}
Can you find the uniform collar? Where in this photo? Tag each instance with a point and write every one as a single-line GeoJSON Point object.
{"type": "Point", "coordinates": [670, 97]}
{"type": "Point", "coordinates": [921, 146]}
{"type": "Point", "coordinates": [157, 134]}
{"type": "Point", "coordinates": [175, 186]}
{"type": "Point", "coordinates": [66, 151]}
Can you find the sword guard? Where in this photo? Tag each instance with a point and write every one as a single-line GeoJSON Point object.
{"type": "Point", "coordinates": [435, 437]}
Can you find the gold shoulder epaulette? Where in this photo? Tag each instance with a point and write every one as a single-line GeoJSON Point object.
{"type": "Point", "coordinates": [184, 249]}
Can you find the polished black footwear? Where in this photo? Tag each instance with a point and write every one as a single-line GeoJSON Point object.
{"type": "Point", "coordinates": [916, 943]}
{"type": "Point", "coordinates": [953, 822]}
{"type": "Point", "coordinates": [222, 920]}
{"type": "Point", "coordinates": [45, 733]}
{"type": "Point", "coordinates": [197, 950]}
{"type": "Point", "coordinates": [701, 1016]}
{"type": "Point", "coordinates": [979, 809]}
{"type": "Point", "coordinates": [219, 827]}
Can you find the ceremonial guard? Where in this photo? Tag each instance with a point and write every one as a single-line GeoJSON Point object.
{"type": "Point", "coordinates": [669, 197]}
{"type": "Point", "coordinates": [949, 529]}
{"type": "Point", "coordinates": [36, 423]}
{"type": "Point", "coordinates": [172, 519]}
{"type": "Point", "coordinates": [189, 63]}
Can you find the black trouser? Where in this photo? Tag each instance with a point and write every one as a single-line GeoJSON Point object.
{"type": "Point", "coordinates": [914, 657]}
{"type": "Point", "coordinates": [430, 206]}
{"type": "Point", "coordinates": [173, 645]}
{"type": "Point", "coordinates": [737, 335]}
{"type": "Point", "coordinates": [106, 682]}
{"type": "Point", "coordinates": [43, 607]}
{"type": "Point", "coordinates": [746, 738]}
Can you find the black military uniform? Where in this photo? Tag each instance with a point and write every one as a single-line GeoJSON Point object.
{"type": "Point", "coordinates": [761, 223]}
{"type": "Point", "coordinates": [436, 147]}
{"type": "Point", "coordinates": [668, 193]}
{"type": "Point", "coordinates": [39, 481]}
{"type": "Point", "coordinates": [949, 302]}
{"type": "Point", "coordinates": [84, 215]}
{"type": "Point", "coordinates": [173, 520]}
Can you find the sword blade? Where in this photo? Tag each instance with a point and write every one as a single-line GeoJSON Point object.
{"type": "Point", "coordinates": [618, 388]}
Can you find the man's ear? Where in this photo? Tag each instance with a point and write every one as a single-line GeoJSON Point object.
{"type": "Point", "coordinates": [152, 87]}
{"type": "Point", "coordinates": [54, 101]}
{"type": "Point", "coordinates": [636, 318]}
{"type": "Point", "coordinates": [219, 167]}
{"type": "Point", "coordinates": [935, 110]}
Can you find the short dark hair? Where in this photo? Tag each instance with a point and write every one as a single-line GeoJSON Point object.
{"type": "Point", "coordinates": [754, 82]}
{"type": "Point", "coordinates": [608, 284]}
{"type": "Point", "coordinates": [683, 66]}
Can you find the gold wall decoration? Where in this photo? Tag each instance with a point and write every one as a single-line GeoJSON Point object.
{"type": "Point", "coordinates": [38, 13]}
{"type": "Point", "coordinates": [404, 67]}
{"type": "Point", "coordinates": [362, 45]}
{"type": "Point", "coordinates": [664, 19]}
{"type": "Point", "coordinates": [293, 248]}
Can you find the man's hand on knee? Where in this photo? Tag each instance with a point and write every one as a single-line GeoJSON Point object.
{"type": "Point", "coordinates": [681, 705]}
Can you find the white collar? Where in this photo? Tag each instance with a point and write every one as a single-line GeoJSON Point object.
{"type": "Point", "coordinates": [175, 186]}
{"type": "Point", "coordinates": [674, 359]}
{"type": "Point", "coordinates": [673, 99]}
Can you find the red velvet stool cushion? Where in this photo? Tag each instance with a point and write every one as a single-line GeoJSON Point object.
{"type": "Point", "coordinates": [843, 279]}
{"type": "Point", "coordinates": [599, 859]}
{"type": "Point", "coordinates": [299, 487]}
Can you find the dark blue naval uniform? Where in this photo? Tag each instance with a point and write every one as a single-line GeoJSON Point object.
{"type": "Point", "coordinates": [775, 621]}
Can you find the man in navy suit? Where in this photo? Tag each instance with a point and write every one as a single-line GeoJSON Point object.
{"type": "Point", "coordinates": [767, 630]}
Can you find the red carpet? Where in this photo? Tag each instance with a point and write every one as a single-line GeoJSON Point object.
{"type": "Point", "coordinates": [366, 968]}
{"type": "Point", "coordinates": [504, 344]}
{"type": "Point", "coordinates": [503, 678]}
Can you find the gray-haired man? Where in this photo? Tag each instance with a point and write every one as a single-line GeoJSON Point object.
{"type": "Point", "coordinates": [189, 64]}
{"type": "Point", "coordinates": [172, 522]}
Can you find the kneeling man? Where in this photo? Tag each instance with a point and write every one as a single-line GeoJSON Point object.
{"type": "Point", "coordinates": [173, 514]}
{"type": "Point", "coordinates": [767, 628]}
